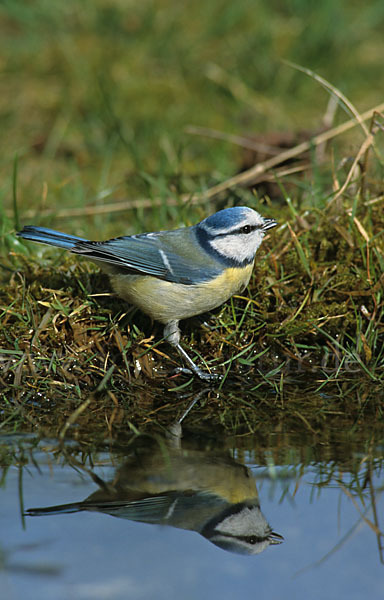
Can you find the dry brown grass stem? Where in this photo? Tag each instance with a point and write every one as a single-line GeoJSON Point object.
{"type": "Point", "coordinates": [255, 174]}
{"type": "Point", "coordinates": [248, 177]}
{"type": "Point", "coordinates": [334, 90]}
{"type": "Point", "coordinates": [75, 414]}
{"type": "Point", "coordinates": [367, 143]}
{"type": "Point", "coordinates": [238, 140]}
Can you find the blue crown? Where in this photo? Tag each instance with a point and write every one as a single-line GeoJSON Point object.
{"type": "Point", "coordinates": [227, 217]}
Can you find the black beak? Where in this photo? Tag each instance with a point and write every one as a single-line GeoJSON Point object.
{"type": "Point", "coordinates": [269, 223]}
{"type": "Point", "coordinates": [275, 538]}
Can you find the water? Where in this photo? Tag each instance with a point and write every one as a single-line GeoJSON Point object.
{"type": "Point", "coordinates": [209, 491]}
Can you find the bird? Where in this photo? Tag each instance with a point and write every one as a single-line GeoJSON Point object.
{"type": "Point", "coordinates": [162, 483]}
{"type": "Point", "coordinates": [176, 274]}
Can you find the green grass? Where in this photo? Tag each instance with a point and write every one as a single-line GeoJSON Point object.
{"type": "Point", "coordinates": [96, 110]}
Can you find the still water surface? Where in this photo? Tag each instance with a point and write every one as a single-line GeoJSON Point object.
{"type": "Point", "coordinates": [182, 518]}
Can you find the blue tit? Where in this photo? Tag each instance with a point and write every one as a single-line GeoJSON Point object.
{"type": "Point", "coordinates": [208, 493]}
{"type": "Point", "coordinates": [174, 275]}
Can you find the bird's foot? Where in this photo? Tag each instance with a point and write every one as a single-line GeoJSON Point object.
{"type": "Point", "coordinates": [203, 375]}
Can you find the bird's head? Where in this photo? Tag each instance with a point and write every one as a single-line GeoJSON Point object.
{"type": "Point", "coordinates": [234, 233]}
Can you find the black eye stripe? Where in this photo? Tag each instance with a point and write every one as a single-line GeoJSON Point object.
{"type": "Point", "coordinates": [247, 229]}
{"type": "Point", "coordinates": [243, 229]}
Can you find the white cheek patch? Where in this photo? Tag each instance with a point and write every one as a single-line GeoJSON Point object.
{"type": "Point", "coordinates": [239, 247]}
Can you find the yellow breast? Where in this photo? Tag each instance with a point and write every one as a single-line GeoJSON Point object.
{"type": "Point", "coordinates": [165, 301]}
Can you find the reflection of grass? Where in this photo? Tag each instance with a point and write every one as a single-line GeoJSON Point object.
{"type": "Point", "coordinates": [95, 106]}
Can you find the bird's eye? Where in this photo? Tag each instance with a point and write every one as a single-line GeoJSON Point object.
{"type": "Point", "coordinates": [246, 229]}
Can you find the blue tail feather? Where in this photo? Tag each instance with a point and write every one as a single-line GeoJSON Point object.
{"type": "Point", "coordinates": [54, 510]}
{"type": "Point", "coordinates": [50, 236]}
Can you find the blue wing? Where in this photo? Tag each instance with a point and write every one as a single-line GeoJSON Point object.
{"type": "Point", "coordinates": [187, 510]}
{"type": "Point", "coordinates": [174, 256]}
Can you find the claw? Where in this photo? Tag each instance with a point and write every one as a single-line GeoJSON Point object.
{"type": "Point", "coordinates": [207, 377]}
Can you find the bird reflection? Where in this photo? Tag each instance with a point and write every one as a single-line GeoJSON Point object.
{"type": "Point", "coordinates": [163, 483]}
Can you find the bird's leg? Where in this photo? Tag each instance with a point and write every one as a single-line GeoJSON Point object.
{"type": "Point", "coordinates": [209, 377]}
{"type": "Point", "coordinates": [172, 335]}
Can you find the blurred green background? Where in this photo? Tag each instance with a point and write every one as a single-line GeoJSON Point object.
{"type": "Point", "coordinates": [96, 95]}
